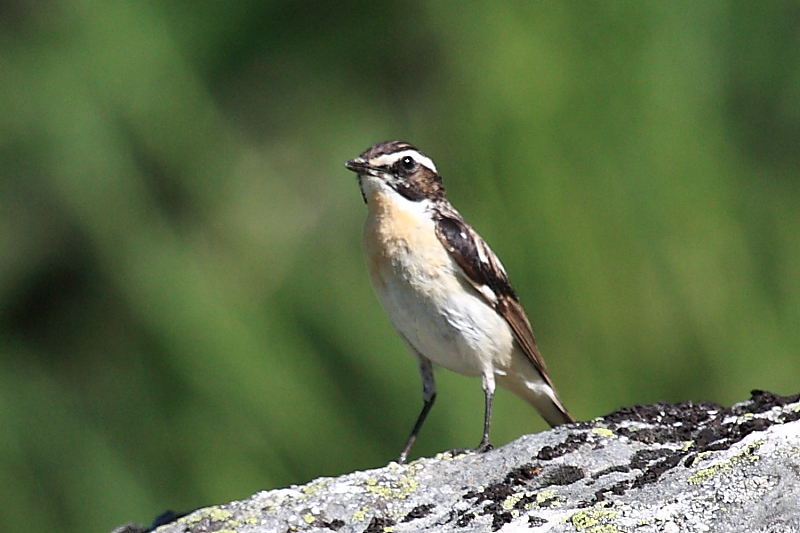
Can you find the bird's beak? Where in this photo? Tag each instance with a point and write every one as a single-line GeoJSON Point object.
{"type": "Point", "coordinates": [358, 165]}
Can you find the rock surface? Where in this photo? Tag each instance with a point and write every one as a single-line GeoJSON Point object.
{"type": "Point", "coordinates": [662, 467]}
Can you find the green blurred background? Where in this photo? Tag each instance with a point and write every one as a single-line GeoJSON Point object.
{"type": "Point", "coordinates": [185, 315]}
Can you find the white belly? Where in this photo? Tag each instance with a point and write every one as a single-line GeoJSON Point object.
{"type": "Point", "coordinates": [448, 325]}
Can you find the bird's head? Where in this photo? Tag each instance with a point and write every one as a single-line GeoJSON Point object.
{"type": "Point", "coordinates": [397, 166]}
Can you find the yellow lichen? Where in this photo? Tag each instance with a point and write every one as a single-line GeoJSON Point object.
{"type": "Point", "coordinates": [361, 514]}
{"type": "Point", "coordinates": [399, 489]}
{"type": "Point", "coordinates": [549, 496]}
{"type": "Point", "coordinates": [191, 519]}
{"type": "Point", "coordinates": [218, 515]}
{"type": "Point", "coordinates": [312, 487]}
{"type": "Point", "coordinates": [213, 513]}
{"type": "Point", "coordinates": [704, 474]}
{"type": "Point", "coordinates": [697, 458]}
{"type": "Point", "coordinates": [594, 521]}
{"type": "Point", "coordinates": [545, 495]}
{"type": "Point", "coordinates": [603, 432]}
{"type": "Point", "coordinates": [444, 456]}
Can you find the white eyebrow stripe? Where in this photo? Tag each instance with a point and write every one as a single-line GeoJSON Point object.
{"type": "Point", "coordinates": [391, 159]}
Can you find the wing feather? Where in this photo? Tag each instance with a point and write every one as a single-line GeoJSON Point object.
{"type": "Point", "coordinates": [486, 274]}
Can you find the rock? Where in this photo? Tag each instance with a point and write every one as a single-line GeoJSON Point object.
{"type": "Point", "coordinates": [662, 467]}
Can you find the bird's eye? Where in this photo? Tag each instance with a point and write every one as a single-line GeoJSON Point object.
{"type": "Point", "coordinates": [408, 163]}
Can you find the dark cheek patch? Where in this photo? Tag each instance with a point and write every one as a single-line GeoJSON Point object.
{"type": "Point", "coordinates": [422, 184]}
{"type": "Point", "coordinates": [409, 190]}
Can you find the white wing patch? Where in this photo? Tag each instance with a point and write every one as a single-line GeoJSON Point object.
{"type": "Point", "coordinates": [487, 293]}
{"type": "Point", "coordinates": [482, 254]}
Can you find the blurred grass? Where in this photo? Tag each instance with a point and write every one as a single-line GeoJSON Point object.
{"type": "Point", "coordinates": [185, 316]}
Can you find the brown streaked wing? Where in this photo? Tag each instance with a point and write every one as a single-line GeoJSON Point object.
{"type": "Point", "coordinates": [488, 277]}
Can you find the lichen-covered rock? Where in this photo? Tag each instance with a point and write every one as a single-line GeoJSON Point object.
{"type": "Point", "coordinates": [665, 468]}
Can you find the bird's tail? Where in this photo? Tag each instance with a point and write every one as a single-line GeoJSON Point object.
{"type": "Point", "coordinates": [524, 380]}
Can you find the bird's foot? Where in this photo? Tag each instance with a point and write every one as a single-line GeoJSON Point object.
{"type": "Point", "coordinates": [483, 447]}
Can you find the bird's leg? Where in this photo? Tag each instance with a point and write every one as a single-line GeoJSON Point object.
{"type": "Point", "coordinates": [428, 397]}
{"type": "Point", "coordinates": [487, 381]}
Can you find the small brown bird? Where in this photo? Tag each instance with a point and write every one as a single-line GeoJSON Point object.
{"type": "Point", "coordinates": [445, 291]}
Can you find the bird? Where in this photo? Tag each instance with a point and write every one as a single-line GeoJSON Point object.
{"type": "Point", "coordinates": [446, 293]}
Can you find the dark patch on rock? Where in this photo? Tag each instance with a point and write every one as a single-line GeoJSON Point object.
{"type": "Point", "coordinates": [664, 413]}
{"type": "Point", "coordinates": [464, 518]}
{"type": "Point", "coordinates": [619, 488]}
{"type": "Point", "coordinates": [334, 525]}
{"type": "Point", "coordinates": [548, 502]}
{"type": "Point", "coordinates": [420, 511]}
{"type": "Point", "coordinates": [652, 473]}
{"type": "Point", "coordinates": [764, 401]}
{"type": "Point", "coordinates": [500, 519]}
{"type": "Point", "coordinates": [570, 444]}
{"type": "Point", "coordinates": [377, 524]}
{"type": "Point", "coordinates": [494, 492]}
{"type": "Point", "coordinates": [616, 468]}
{"type": "Point", "coordinates": [522, 474]}
{"type": "Point", "coordinates": [656, 435]}
{"type": "Point", "coordinates": [525, 501]}
{"type": "Point", "coordinates": [497, 494]}
{"type": "Point", "coordinates": [643, 458]}
{"type": "Point", "coordinates": [536, 521]}
{"type": "Point", "coordinates": [564, 475]}
{"type": "Point", "coordinates": [790, 417]}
